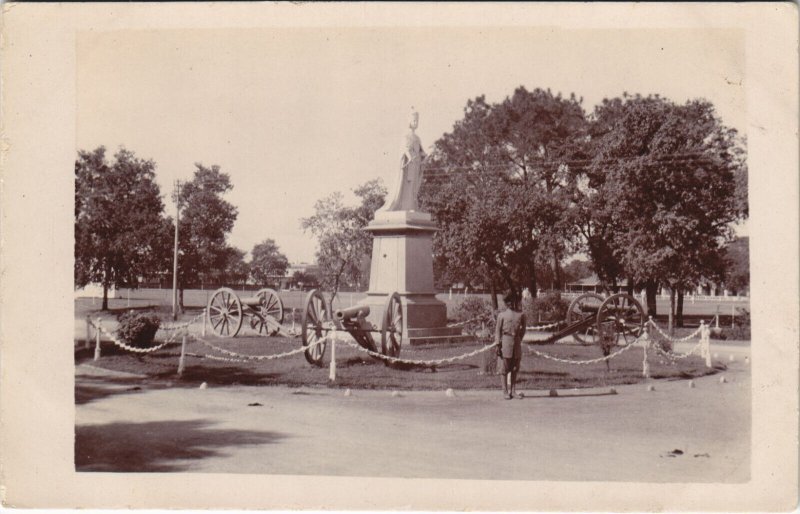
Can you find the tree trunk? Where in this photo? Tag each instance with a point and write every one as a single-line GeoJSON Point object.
{"type": "Point", "coordinates": [671, 324]}
{"type": "Point", "coordinates": [493, 290]}
{"type": "Point", "coordinates": [105, 297]}
{"type": "Point", "coordinates": [532, 286]}
{"type": "Point", "coordinates": [679, 310]}
{"type": "Point", "coordinates": [556, 285]}
{"type": "Point", "coordinates": [651, 290]}
{"type": "Point", "coordinates": [180, 299]}
{"type": "Point", "coordinates": [629, 286]}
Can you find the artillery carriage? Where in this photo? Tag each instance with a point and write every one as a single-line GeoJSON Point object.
{"type": "Point", "coordinates": [227, 311]}
{"type": "Point", "coordinates": [590, 315]}
{"type": "Point", "coordinates": [318, 321]}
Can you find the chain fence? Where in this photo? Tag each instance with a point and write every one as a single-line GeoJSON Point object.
{"type": "Point", "coordinates": [643, 340]}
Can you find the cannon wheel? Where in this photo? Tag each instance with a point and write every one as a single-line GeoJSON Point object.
{"type": "Point", "coordinates": [392, 326]}
{"type": "Point", "coordinates": [626, 314]}
{"type": "Point", "coordinates": [271, 309]}
{"type": "Point", "coordinates": [316, 319]}
{"type": "Point", "coordinates": [225, 313]}
{"type": "Point", "coordinates": [575, 313]}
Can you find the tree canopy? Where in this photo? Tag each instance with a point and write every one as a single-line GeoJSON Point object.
{"type": "Point", "coordinates": [342, 244]}
{"type": "Point", "coordinates": [119, 229]}
{"type": "Point", "coordinates": [267, 262]}
{"type": "Point", "coordinates": [647, 188]}
{"type": "Point", "coordinates": [499, 189]}
{"type": "Point", "coordinates": [206, 220]}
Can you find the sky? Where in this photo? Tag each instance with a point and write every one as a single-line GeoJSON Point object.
{"type": "Point", "coordinates": [294, 114]}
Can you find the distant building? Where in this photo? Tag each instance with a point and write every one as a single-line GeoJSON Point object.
{"type": "Point", "coordinates": [592, 284]}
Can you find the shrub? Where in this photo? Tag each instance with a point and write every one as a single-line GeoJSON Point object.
{"type": "Point", "coordinates": [548, 308]}
{"type": "Point", "coordinates": [138, 328]}
{"type": "Point", "coordinates": [479, 314]}
{"type": "Point", "coordinates": [741, 328]}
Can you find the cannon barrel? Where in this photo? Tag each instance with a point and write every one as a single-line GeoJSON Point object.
{"type": "Point", "coordinates": [252, 301]}
{"type": "Point", "coordinates": [358, 311]}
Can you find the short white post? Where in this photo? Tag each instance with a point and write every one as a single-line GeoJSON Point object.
{"type": "Point", "coordinates": [181, 360]}
{"type": "Point", "coordinates": [645, 347]}
{"type": "Point", "coordinates": [705, 340]}
{"type": "Point", "coordinates": [88, 343]}
{"type": "Point", "coordinates": [205, 314]}
{"type": "Point", "coordinates": [451, 293]}
{"type": "Point", "coordinates": [733, 315]}
{"type": "Point", "coordinates": [293, 315]}
{"type": "Point", "coordinates": [332, 368]}
{"type": "Point", "coordinates": [97, 337]}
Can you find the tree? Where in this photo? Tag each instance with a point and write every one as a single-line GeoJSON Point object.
{"type": "Point", "coordinates": [667, 175]}
{"type": "Point", "coordinates": [577, 269]}
{"type": "Point", "coordinates": [119, 226]}
{"type": "Point", "coordinates": [737, 257]}
{"type": "Point", "coordinates": [268, 262]}
{"type": "Point", "coordinates": [342, 242]}
{"type": "Point", "coordinates": [305, 279]}
{"type": "Point", "coordinates": [206, 219]}
{"type": "Point", "coordinates": [500, 190]}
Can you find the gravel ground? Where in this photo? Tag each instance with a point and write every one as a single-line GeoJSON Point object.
{"type": "Point", "coordinates": [671, 434]}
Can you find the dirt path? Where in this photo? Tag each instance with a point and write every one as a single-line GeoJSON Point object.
{"type": "Point", "coordinates": [126, 424]}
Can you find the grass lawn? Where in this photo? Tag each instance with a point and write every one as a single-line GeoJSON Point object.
{"type": "Point", "coordinates": [359, 371]}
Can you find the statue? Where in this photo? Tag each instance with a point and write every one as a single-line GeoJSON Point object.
{"type": "Point", "coordinates": [403, 196]}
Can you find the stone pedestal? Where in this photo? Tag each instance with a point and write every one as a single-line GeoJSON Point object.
{"type": "Point", "coordinates": [402, 262]}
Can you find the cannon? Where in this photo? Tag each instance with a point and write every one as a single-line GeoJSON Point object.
{"type": "Point", "coordinates": [590, 314]}
{"type": "Point", "coordinates": [318, 320]}
{"type": "Point", "coordinates": [226, 312]}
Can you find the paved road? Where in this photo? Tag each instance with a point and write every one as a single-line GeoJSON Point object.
{"type": "Point", "coordinates": [126, 424]}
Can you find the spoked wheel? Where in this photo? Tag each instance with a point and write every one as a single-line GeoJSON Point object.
{"type": "Point", "coordinates": [225, 313]}
{"type": "Point", "coordinates": [270, 312]}
{"type": "Point", "coordinates": [392, 326]}
{"type": "Point", "coordinates": [316, 322]}
{"type": "Point", "coordinates": [587, 304]}
{"type": "Point", "coordinates": [626, 315]}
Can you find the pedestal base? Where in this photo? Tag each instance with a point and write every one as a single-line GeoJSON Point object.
{"type": "Point", "coordinates": [424, 317]}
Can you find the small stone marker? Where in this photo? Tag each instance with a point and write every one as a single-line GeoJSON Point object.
{"type": "Point", "coordinates": [395, 394]}
{"type": "Point", "coordinates": [203, 386]}
{"type": "Point", "coordinates": [553, 392]}
{"type": "Point", "coordinates": [716, 356]}
{"type": "Point", "coordinates": [732, 358]}
{"type": "Point", "coordinates": [691, 384]}
{"type": "Point", "coordinates": [347, 392]}
{"type": "Point", "coordinates": [450, 393]}
{"type": "Point", "coordinates": [723, 380]}
{"type": "Point", "coordinates": [651, 387]}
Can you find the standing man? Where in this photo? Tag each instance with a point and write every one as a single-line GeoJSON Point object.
{"type": "Point", "coordinates": [508, 338]}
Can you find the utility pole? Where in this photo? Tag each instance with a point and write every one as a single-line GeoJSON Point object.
{"type": "Point", "coordinates": [176, 197]}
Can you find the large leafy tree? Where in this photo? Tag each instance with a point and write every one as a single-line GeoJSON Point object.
{"type": "Point", "coordinates": [665, 179]}
{"type": "Point", "coordinates": [119, 228]}
{"type": "Point", "coordinates": [205, 222]}
{"type": "Point", "coordinates": [498, 187]}
{"type": "Point", "coordinates": [737, 256]}
{"type": "Point", "coordinates": [342, 243]}
{"type": "Point", "coordinates": [267, 262]}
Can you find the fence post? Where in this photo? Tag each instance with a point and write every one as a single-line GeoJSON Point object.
{"type": "Point", "coordinates": [332, 369]}
{"type": "Point", "coordinates": [182, 358]}
{"type": "Point", "coordinates": [88, 343]}
{"type": "Point", "coordinates": [705, 338]}
{"type": "Point", "coordinates": [205, 314]}
{"type": "Point", "coordinates": [733, 315]}
{"type": "Point", "coordinates": [645, 347]}
{"type": "Point", "coordinates": [97, 337]}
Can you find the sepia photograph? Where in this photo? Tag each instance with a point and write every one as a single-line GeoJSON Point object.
{"type": "Point", "coordinates": [423, 253]}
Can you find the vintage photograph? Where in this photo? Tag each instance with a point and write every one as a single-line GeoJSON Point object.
{"type": "Point", "coordinates": [374, 251]}
{"type": "Point", "coordinates": [374, 257]}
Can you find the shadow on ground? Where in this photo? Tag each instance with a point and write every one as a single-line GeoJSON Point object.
{"type": "Point", "coordinates": [158, 446]}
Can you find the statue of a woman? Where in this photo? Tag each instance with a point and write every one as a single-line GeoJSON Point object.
{"type": "Point", "coordinates": [403, 196]}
